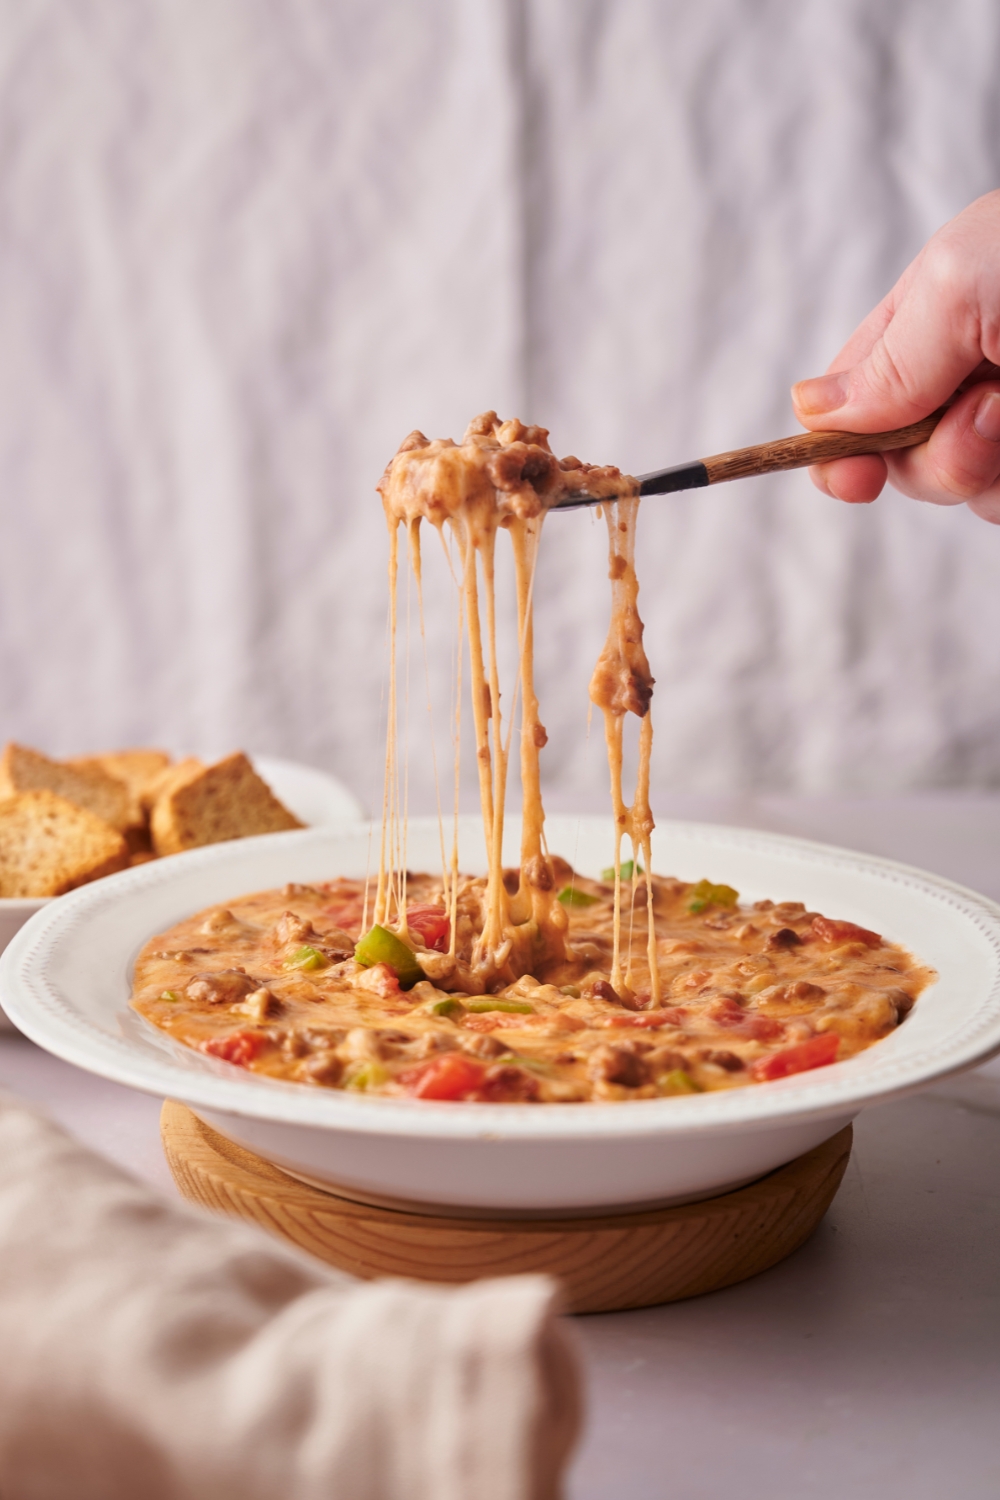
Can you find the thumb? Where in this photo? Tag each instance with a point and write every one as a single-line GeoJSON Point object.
{"type": "Point", "coordinates": [925, 350]}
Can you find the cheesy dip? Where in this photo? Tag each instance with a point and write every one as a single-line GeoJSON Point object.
{"type": "Point", "coordinates": [283, 983]}
{"type": "Point", "coordinates": [530, 984]}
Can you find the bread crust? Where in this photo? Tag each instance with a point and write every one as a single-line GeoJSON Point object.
{"type": "Point", "coordinates": [140, 770]}
{"type": "Point", "coordinates": [49, 845]}
{"type": "Point", "coordinates": [210, 804]}
{"type": "Point", "coordinates": [88, 786]}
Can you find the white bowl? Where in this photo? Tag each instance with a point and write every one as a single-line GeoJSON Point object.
{"type": "Point", "coordinates": [65, 980]}
{"type": "Point", "coordinates": [317, 799]}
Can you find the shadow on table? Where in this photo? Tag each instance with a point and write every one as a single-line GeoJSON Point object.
{"type": "Point", "coordinates": [868, 1364]}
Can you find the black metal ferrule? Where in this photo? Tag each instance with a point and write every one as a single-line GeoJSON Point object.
{"type": "Point", "coordinates": [662, 482]}
{"type": "Point", "coordinates": [682, 477]}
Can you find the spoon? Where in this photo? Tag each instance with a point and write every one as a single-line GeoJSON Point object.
{"type": "Point", "coordinates": [796, 452]}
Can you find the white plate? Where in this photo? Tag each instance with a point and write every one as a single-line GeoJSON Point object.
{"type": "Point", "coordinates": [314, 797]}
{"type": "Point", "coordinates": [65, 979]}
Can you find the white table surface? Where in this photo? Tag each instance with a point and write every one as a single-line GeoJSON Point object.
{"type": "Point", "coordinates": [867, 1365]}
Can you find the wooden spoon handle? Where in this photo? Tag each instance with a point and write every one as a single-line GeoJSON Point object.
{"type": "Point", "coordinates": [814, 448]}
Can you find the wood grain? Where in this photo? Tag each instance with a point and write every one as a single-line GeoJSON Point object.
{"type": "Point", "coordinates": [814, 448]}
{"type": "Point", "coordinates": [606, 1264]}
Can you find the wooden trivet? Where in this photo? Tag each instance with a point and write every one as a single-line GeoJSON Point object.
{"type": "Point", "coordinates": [605, 1264]}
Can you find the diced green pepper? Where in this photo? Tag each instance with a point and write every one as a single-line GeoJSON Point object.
{"type": "Point", "coordinates": [380, 946]}
{"type": "Point", "coordinates": [446, 1006]}
{"type": "Point", "coordinates": [700, 895]}
{"type": "Point", "coordinates": [170, 995]}
{"type": "Point", "coordinates": [706, 894]}
{"type": "Point", "coordinates": [370, 1075]}
{"type": "Point", "coordinates": [532, 1064]}
{"type": "Point", "coordinates": [677, 1082]}
{"type": "Point", "coordinates": [572, 990]}
{"type": "Point", "coordinates": [570, 896]}
{"type": "Point", "coordinates": [307, 958]}
{"type": "Point", "coordinates": [513, 1007]}
{"type": "Point", "coordinates": [628, 869]}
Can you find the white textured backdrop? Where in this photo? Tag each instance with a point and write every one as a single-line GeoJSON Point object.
{"type": "Point", "coordinates": [246, 246]}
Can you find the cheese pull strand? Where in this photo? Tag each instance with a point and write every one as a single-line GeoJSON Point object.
{"type": "Point", "coordinates": [502, 477]}
{"type": "Point", "coordinates": [622, 683]}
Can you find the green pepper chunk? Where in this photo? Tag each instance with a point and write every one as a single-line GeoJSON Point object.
{"type": "Point", "coordinates": [371, 1075]}
{"type": "Point", "coordinates": [706, 894]}
{"type": "Point", "coordinates": [725, 895]}
{"type": "Point", "coordinates": [572, 990]}
{"type": "Point", "coordinates": [170, 995]}
{"type": "Point", "coordinates": [448, 1006]}
{"type": "Point", "coordinates": [570, 896]}
{"type": "Point", "coordinates": [700, 896]}
{"type": "Point", "coordinates": [532, 1064]}
{"type": "Point", "coordinates": [307, 958]}
{"type": "Point", "coordinates": [380, 946]}
{"type": "Point", "coordinates": [628, 869]}
{"type": "Point", "coordinates": [677, 1082]}
{"type": "Point", "coordinates": [513, 1007]}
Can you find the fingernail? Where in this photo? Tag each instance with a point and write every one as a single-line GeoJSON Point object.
{"type": "Point", "coordinates": [825, 393]}
{"type": "Point", "coordinates": [987, 418]}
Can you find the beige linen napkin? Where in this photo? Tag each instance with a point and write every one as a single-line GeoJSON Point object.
{"type": "Point", "coordinates": [150, 1352]}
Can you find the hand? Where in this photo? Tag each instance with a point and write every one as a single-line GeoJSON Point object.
{"type": "Point", "coordinates": [934, 337]}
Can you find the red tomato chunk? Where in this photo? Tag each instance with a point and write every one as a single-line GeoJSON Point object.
{"type": "Point", "coordinates": [347, 918]}
{"type": "Point", "coordinates": [844, 932]}
{"type": "Point", "coordinates": [430, 924]}
{"type": "Point", "coordinates": [760, 1028]}
{"type": "Point", "coordinates": [382, 980]}
{"type": "Point", "coordinates": [650, 1019]}
{"type": "Point", "coordinates": [728, 1014]}
{"type": "Point", "coordinates": [726, 1011]}
{"type": "Point", "coordinates": [816, 1053]}
{"type": "Point", "coordinates": [451, 1076]}
{"type": "Point", "coordinates": [239, 1047]}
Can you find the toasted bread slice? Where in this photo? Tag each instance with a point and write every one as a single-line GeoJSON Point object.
{"type": "Point", "coordinates": [49, 845]}
{"type": "Point", "coordinates": [137, 768]}
{"type": "Point", "coordinates": [180, 770]}
{"type": "Point", "coordinates": [141, 771]}
{"type": "Point", "coordinates": [209, 804]}
{"type": "Point", "coordinates": [90, 787]}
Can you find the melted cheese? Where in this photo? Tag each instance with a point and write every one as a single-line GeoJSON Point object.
{"type": "Point", "coordinates": [503, 476]}
{"type": "Point", "coordinates": [622, 683]}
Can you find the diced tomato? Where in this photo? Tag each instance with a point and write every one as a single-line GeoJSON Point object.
{"type": "Point", "coordinates": [816, 1053]}
{"type": "Point", "coordinates": [347, 915]}
{"type": "Point", "coordinates": [729, 1014]}
{"type": "Point", "coordinates": [237, 1047]}
{"type": "Point", "coordinates": [844, 932]}
{"type": "Point", "coordinates": [450, 1076]}
{"type": "Point", "coordinates": [672, 1016]}
{"type": "Point", "coordinates": [760, 1028]}
{"type": "Point", "coordinates": [550, 1022]}
{"type": "Point", "coordinates": [726, 1011]}
{"type": "Point", "coordinates": [430, 924]}
{"type": "Point", "coordinates": [380, 979]}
